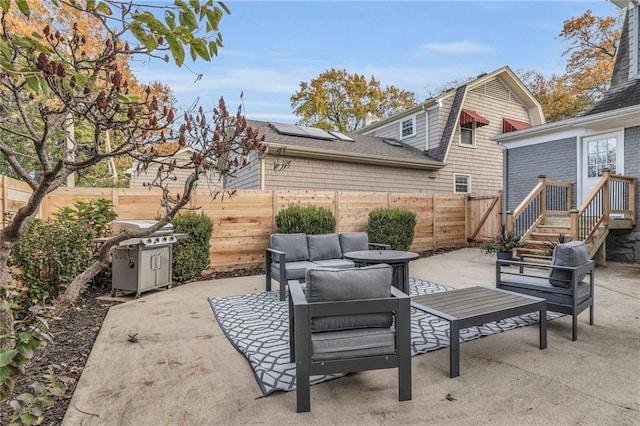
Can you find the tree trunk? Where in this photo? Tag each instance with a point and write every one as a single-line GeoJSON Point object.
{"type": "Point", "coordinates": [6, 297]}
{"type": "Point", "coordinates": [71, 294]}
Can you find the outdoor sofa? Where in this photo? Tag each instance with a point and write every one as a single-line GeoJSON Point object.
{"type": "Point", "coordinates": [297, 252]}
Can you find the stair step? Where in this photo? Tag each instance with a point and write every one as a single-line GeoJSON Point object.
{"type": "Point", "coordinates": [557, 221]}
{"type": "Point", "coordinates": [544, 236]}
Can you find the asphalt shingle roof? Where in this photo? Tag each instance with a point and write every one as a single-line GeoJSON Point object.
{"type": "Point", "coordinates": [363, 145]}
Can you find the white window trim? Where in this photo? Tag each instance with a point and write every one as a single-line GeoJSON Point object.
{"type": "Point", "coordinates": [413, 127]}
{"type": "Point", "coordinates": [473, 136]}
{"type": "Point", "coordinates": [455, 175]}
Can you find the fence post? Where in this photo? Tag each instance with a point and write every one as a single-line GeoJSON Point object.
{"type": "Point", "coordinates": [433, 214]}
{"type": "Point", "coordinates": [573, 214]}
{"type": "Point", "coordinates": [606, 196]}
{"type": "Point", "coordinates": [543, 194]}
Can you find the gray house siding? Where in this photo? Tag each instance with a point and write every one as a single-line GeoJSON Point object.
{"type": "Point", "coordinates": [554, 159]}
{"type": "Point", "coordinates": [434, 128]}
{"type": "Point", "coordinates": [624, 245]}
{"type": "Point", "coordinates": [392, 130]}
{"type": "Point", "coordinates": [248, 177]}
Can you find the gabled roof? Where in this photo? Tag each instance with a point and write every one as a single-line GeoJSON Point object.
{"type": "Point", "coordinates": [506, 75]}
{"type": "Point", "coordinates": [363, 149]}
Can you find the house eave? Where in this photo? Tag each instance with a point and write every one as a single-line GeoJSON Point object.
{"type": "Point", "coordinates": [625, 117]}
{"type": "Point", "coordinates": [321, 154]}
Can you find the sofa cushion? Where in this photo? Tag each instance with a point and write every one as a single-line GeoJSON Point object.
{"type": "Point", "coordinates": [294, 246]}
{"type": "Point", "coordinates": [540, 287]}
{"type": "Point", "coordinates": [324, 246]}
{"type": "Point", "coordinates": [295, 270]}
{"type": "Point", "coordinates": [573, 253]}
{"type": "Point", "coordinates": [335, 263]}
{"type": "Point", "coordinates": [352, 343]}
{"type": "Point", "coordinates": [331, 284]}
{"type": "Point", "coordinates": [353, 241]}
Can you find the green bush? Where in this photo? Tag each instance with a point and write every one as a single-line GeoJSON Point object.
{"type": "Point", "coordinates": [392, 226]}
{"type": "Point", "coordinates": [49, 256]}
{"type": "Point", "coordinates": [312, 220]}
{"type": "Point", "coordinates": [191, 255]}
{"type": "Point", "coordinates": [98, 213]}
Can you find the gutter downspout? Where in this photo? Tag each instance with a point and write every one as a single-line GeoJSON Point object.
{"type": "Point", "coordinates": [505, 168]}
{"type": "Point", "coordinates": [262, 172]}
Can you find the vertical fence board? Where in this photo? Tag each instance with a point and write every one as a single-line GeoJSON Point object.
{"type": "Point", "coordinates": [244, 222]}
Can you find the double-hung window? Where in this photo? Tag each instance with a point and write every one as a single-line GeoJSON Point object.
{"type": "Point", "coordinates": [461, 184]}
{"type": "Point", "coordinates": [468, 135]}
{"type": "Point", "coordinates": [408, 128]}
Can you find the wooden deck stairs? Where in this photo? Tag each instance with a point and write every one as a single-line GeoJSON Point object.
{"type": "Point", "coordinates": [545, 216]}
{"type": "Point", "coordinates": [554, 230]}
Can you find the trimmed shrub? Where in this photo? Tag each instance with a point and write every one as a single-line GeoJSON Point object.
{"type": "Point", "coordinates": [49, 256]}
{"type": "Point", "coordinates": [191, 255]}
{"type": "Point", "coordinates": [312, 220]}
{"type": "Point", "coordinates": [392, 226]}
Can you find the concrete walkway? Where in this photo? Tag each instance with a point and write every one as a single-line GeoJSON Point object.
{"type": "Point", "coordinates": [183, 371]}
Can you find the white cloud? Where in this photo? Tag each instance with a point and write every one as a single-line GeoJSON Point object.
{"type": "Point", "coordinates": [455, 47]}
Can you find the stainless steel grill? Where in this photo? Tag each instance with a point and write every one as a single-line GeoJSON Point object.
{"type": "Point", "coordinates": [142, 264]}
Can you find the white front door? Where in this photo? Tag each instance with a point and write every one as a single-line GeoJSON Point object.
{"type": "Point", "coordinates": [600, 152]}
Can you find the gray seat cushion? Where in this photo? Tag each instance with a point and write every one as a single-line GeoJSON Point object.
{"type": "Point", "coordinates": [540, 287]}
{"type": "Point", "coordinates": [294, 246]}
{"type": "Point", "coordinates": [324, 246]}
{"type": "Point", "coordinates": [335, 263]}
{"type": "Point", "coordinates": [352, 343]}
{"type": "Point", "coordinates": [331, 284]}
{"type": "Point", "coordinates": [353, 241]}
{"type": "Point", "coordinates": [295, 270]}
{"type": "Point", "coordinates": [573, 253]}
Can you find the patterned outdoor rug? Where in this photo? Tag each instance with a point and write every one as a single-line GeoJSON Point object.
{"type": "Point", "coordinates": [257, 325]}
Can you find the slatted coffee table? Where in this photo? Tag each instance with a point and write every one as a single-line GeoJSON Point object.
{"type": "Point", "coordinates": [472, 306]}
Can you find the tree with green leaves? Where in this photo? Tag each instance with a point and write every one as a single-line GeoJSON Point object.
{"type": "Point", "coordinates": [337, 100]}
{"type": "Point", "coordinates": [53, 75]}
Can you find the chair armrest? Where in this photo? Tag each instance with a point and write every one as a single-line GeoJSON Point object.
{"type": "Point", "coordinates": [381, 245]}
{"type": "Point", "coordinates": [534, 256]}
{"type": "Point", "coordinates": [399, 294]}
{"type": "Point", "coordinates": [296, 293]}
{"type": "Point", "coordinates": [272, 254]}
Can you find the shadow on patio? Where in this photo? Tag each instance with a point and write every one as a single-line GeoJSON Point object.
{"type": "Point", "coordinates": [183, 370]}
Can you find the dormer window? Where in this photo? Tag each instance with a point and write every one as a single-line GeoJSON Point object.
{"type": "Point", "coordinates": [408, 128]}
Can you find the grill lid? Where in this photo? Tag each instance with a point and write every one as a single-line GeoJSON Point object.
{"type": "Point", "coordinates": [138, 225]}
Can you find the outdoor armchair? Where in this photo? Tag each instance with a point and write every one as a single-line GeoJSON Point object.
{"type": "Point", "coordinates": [566, 283]}
{"type": "Point", "coordinates": [348, 320]}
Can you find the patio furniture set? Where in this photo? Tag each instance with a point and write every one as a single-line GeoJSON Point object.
{"type": "Point", "coordinates": [348, 318]}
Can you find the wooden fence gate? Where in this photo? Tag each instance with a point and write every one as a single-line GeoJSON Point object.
{"type": "Point", "coordinates": [484, 215]}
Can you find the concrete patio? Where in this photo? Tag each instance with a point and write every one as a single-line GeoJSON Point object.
{"type": "Point", "coordinates": [183, 371]}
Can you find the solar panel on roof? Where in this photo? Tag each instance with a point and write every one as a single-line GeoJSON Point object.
{"type": "Point", "coordinates": [289, 129]}
{"type": "Point", "coordinates": [342, 136]}
{"type": "Point", "coordinates": [392, 142]}
{"type": "Point", "coordinates": [317, 133]}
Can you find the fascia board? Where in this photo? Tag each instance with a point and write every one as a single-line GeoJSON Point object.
{"type": "Point", "coordinates": [304, 152]}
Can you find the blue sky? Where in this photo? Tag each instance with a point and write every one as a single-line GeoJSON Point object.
{"type": "Point", "coordinates": [270, 47]}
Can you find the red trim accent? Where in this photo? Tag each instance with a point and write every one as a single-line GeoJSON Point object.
{"type": "Point", "coordinates": [510, 125]}
{"type": "Point", "coordinates": [467, 117]}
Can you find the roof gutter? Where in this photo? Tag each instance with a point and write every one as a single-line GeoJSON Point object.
{"type": "Point", "coordinates": [321, 154]}
{"type": "Point", "coordinates": [580, 121]}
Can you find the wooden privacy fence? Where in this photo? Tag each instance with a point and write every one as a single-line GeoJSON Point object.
{"type": "Point", "coordinates": [242, 223]}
